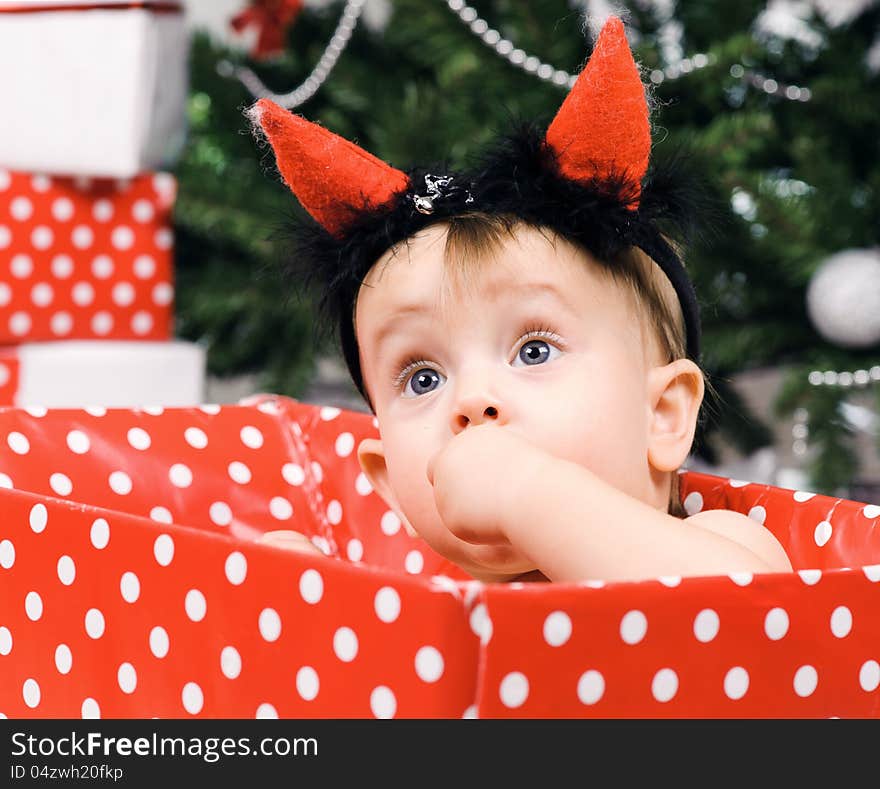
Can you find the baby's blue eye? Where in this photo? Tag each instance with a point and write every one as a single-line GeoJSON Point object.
{"type": "Point", "coordinates": [422, 381]}
{"type": "Point", "coordinates": [534, 352]}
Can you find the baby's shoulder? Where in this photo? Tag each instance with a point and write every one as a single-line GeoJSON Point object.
{"type": "Point", "coordinates": [747, 532]}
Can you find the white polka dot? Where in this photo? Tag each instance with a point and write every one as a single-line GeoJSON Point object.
{"type": "Point", "coordinates": [480, 623]}
{"type": "Point", "coordinates": [61, 484]}
{"type": "Point", "coordinates": [280, 508]}
{"type": "Point", "coordinates": [334, 512]}
{"type": "Point", "coordinates": [317, 471]}
{"type": "Point", "coordinates": [266, 712]}
{"type": "Point", "coordinates": [693, 502]}
{"type": "Point", "coordinates": [129, 587]}
{"type": "Point", "coordinates": [163, 294]}
{"type": "Point", "coordinates": [21, 209]}
{"type": "Point", "coordinates": [144, 267]}
{"type": "Point", "coordinates": [163, 549]}
{"type": "Point", "coordinates": [33, 606]}
{"type": "Point", "coordinates": [311, 586]}
{"type": "Point", "coordinates": [5, 481]}
{"type": "Point", "coordinates": [872, 572]}
{"type": "Point", "coordinates": [82, 294]}
{"type": "Point", "coordinates": [670, 581]}
{"type": "Point", "coordinates": [103, 267]}
{"type": "Point", "coordinates": [141, 323]}
{"type": "Point", "coordinates": [736, 683]}
{"type": "Point", "coordinates": [557, 628]}
{"type": "Point", "coordinates": [390, 523]}
{"type": "Point", "coordinates": [66, 570]}
{"type": "Point", "coordinates": [21, 266]}
{"type": "Point", "coordinates": [383, 703]}
{"type": "Point", "coordinates": [354, 550]}
{"type": "Point", "coordinates": [82, 237]}
{"type": "Point", "coordinates": [120, 483]}
{"type": "Point", "coordinates": [871, 511]}
{"type": "Point", "coordinates": [329, 412]}
{"type": "Point", "coordinates": [62, 266]}
{"type": "Point", "coordinates": [776, 624]}
{"type": "Point", "coordinates": [61, 323]}
{"type": "Point", "coordinates": [63, 659]}
{"type": "Point", "coordinates": [758, 513]}
{"type": "Point", "coordinates": [590, 687]}
{"type": "Point", "coordinates": [5, 180]}
{"type": "Point", "coordinates": [126, 676]}
{"type": "Point", "coordinates": [180, 475]}
{"type": "Point", "coordinates": [239, 472]}
{"type": "Point", "coordinates": [100, 533]}
{"type": "Point", "coordinates": [869, 676]}
{"type": "Point", "coordinates": [810, 577]}
{"type": "Point", "coordinates": [123, 294]}
{"type": "Point", "coordinates": [345, 644]}
{"type": "Point", "coordinates": [5, 237]}
{"type": "Point", "coordinates": [5, 641]}
{"type": "Point", "coordinates": [42, 294]}
{"type": "Point", "coordinates": [38, 517]}
{"type": "Point", "coordinates": [251, 437]}
{"type": "Point", "coordinates": [362, 485]}
{"type": "Point", "coordinates": [102, 323]}
{"type": "Point", "coordinates": [514, 689]}
{"type": "Point", "coordinates": [195, 437]}
{"type": "Point", "coordinates": [41, 183]}
{"type": "Point", "coordinates": [230, 662]}
{"type": "Point", "coordinates": [193, 698]}
{"type": "Point", "coordinates": [429, 664]}
{"type": "Point", "coordinates": [122, 237]}
{"type": "Point", "coordinates": [414, 562]}
{"type": "Point", "coordinates": [387, 604]}
{"type": "Point", "coordinates": [5, 294]}
{"type": "Point", "coordinates": [90, 710]}
{"type": "Point", "coordinates": [236, 568]}
{"type": "Point", "coordinates": [37, 411]}
{"type": "Point", "coordinates": [270, 624]}
{"type": "Point", "coordinates": [664, 686]}
{"type": "Point", "coordinates": [220, 513]}
{"type": "Point", "coordinates": [139, 438]}
{"type": "Point", "coordinates": [18, 443]}
{"type": "Point", "coordinates": [344, 444]}
{"type": "Point", "coordinates": [802, 495]}
{"type": "Point", "coordinates": [805, 681]}
{"type": "Point", "coordinates": [30, 691]}
{"type": "Point", "coordinates": [307, 683]}
{"type": "Point", "coordinates": [841, 621]}
{"type": "Point", "coordinates": [20, 323]}
{"type": "Point", "coordinates": [159, 642]}
{"type": "Point", "coordinates": [822, 533]}
{"type": "Point", "coordinates": [102, 210]}
{"type": "Point", "coordinates": [78, 442]}
{"type": "Point", "coordinates": [94, 623]}
{"type": "Point", "coordinates": [164, 238]}
{"type": "Point", "coordinates": [195, 604]}
{"type": "Point", "coordinates": [62, 209]}
{"type": "Point", "coordinates": [7, 554]}
{"type": "Point", "coordinates": [633, 627]}
{"type": "Point", "coordinates": [142, 211]}
{"type": "Point", "coordinates": [293, 474]}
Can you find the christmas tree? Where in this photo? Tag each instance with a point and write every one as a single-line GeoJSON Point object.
{"type": "Point", "coordinates": [778, 109]}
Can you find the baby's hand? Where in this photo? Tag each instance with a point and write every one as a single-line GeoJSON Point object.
{"type": "Point", "coordinates": [477, 478]}
{"type": "Point", "coordinates": [289, 540]}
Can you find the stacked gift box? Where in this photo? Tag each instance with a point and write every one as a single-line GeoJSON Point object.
{"type": "Point", "coordinates": [95, 121]}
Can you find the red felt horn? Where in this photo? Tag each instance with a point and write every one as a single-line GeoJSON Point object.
{"type": "Point", "coordinates": [332, 177]}
{"type": "Point", "coordinates": [602, 128]}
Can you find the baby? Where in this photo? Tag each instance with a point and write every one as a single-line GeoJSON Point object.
{"type": "Point", "coordinates": [527, 339]}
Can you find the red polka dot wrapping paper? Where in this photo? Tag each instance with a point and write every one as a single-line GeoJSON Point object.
{"type": "Point", "coordinates": [85, 258]}
{"type": "Point", "coordinates": [131, 586]}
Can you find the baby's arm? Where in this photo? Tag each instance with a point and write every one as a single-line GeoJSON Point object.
{"type": "Point", "coordinates": [491, 486]}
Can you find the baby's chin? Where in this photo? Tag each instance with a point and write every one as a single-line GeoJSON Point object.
{"type": "Point", "coordinates": [492, 563]}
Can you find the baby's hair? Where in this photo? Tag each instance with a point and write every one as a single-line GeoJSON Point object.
{"type": "Point", "coordinates": [473, 238]}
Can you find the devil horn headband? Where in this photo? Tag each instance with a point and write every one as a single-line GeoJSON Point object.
{"type": "Point", "coordinates": [601, 131]}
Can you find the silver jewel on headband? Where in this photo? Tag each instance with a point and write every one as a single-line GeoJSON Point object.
{"type": "Point", "coordinates": [439, 188]}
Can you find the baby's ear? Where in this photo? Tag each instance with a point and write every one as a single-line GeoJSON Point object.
{"type": "Point", "coordinates": [371, 455]}
{"type": "Point", "coordinates": [675, 393]}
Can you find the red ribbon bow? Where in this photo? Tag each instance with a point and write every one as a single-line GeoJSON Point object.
{"type": "Point", "coordinates": [272, 18]}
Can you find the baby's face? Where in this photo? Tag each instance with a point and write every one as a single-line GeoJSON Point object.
{"type": "Point", "coordinates": [536, 340]}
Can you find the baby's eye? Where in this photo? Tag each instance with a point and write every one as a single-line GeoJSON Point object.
{"type": "Point", "coordinates": [535, 352]}
{"type": "Point", "coordinates": [422, 381]}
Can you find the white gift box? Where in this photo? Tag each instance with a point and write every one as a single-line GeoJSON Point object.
{"type": "Point", "coordinates": [109, 373]}
{"type": "Point", "coordinates": [97, 90]}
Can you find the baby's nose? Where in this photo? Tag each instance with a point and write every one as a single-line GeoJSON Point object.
{"type": "Point", "coordinates": [475, 411]}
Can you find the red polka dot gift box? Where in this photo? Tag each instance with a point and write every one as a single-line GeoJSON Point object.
{"type": "Point", "coordinates": [131, 585]}
{"type": "Point", "coordinates": [92, 88]}
{"type": "Point", "coordinates": [85, 258]}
